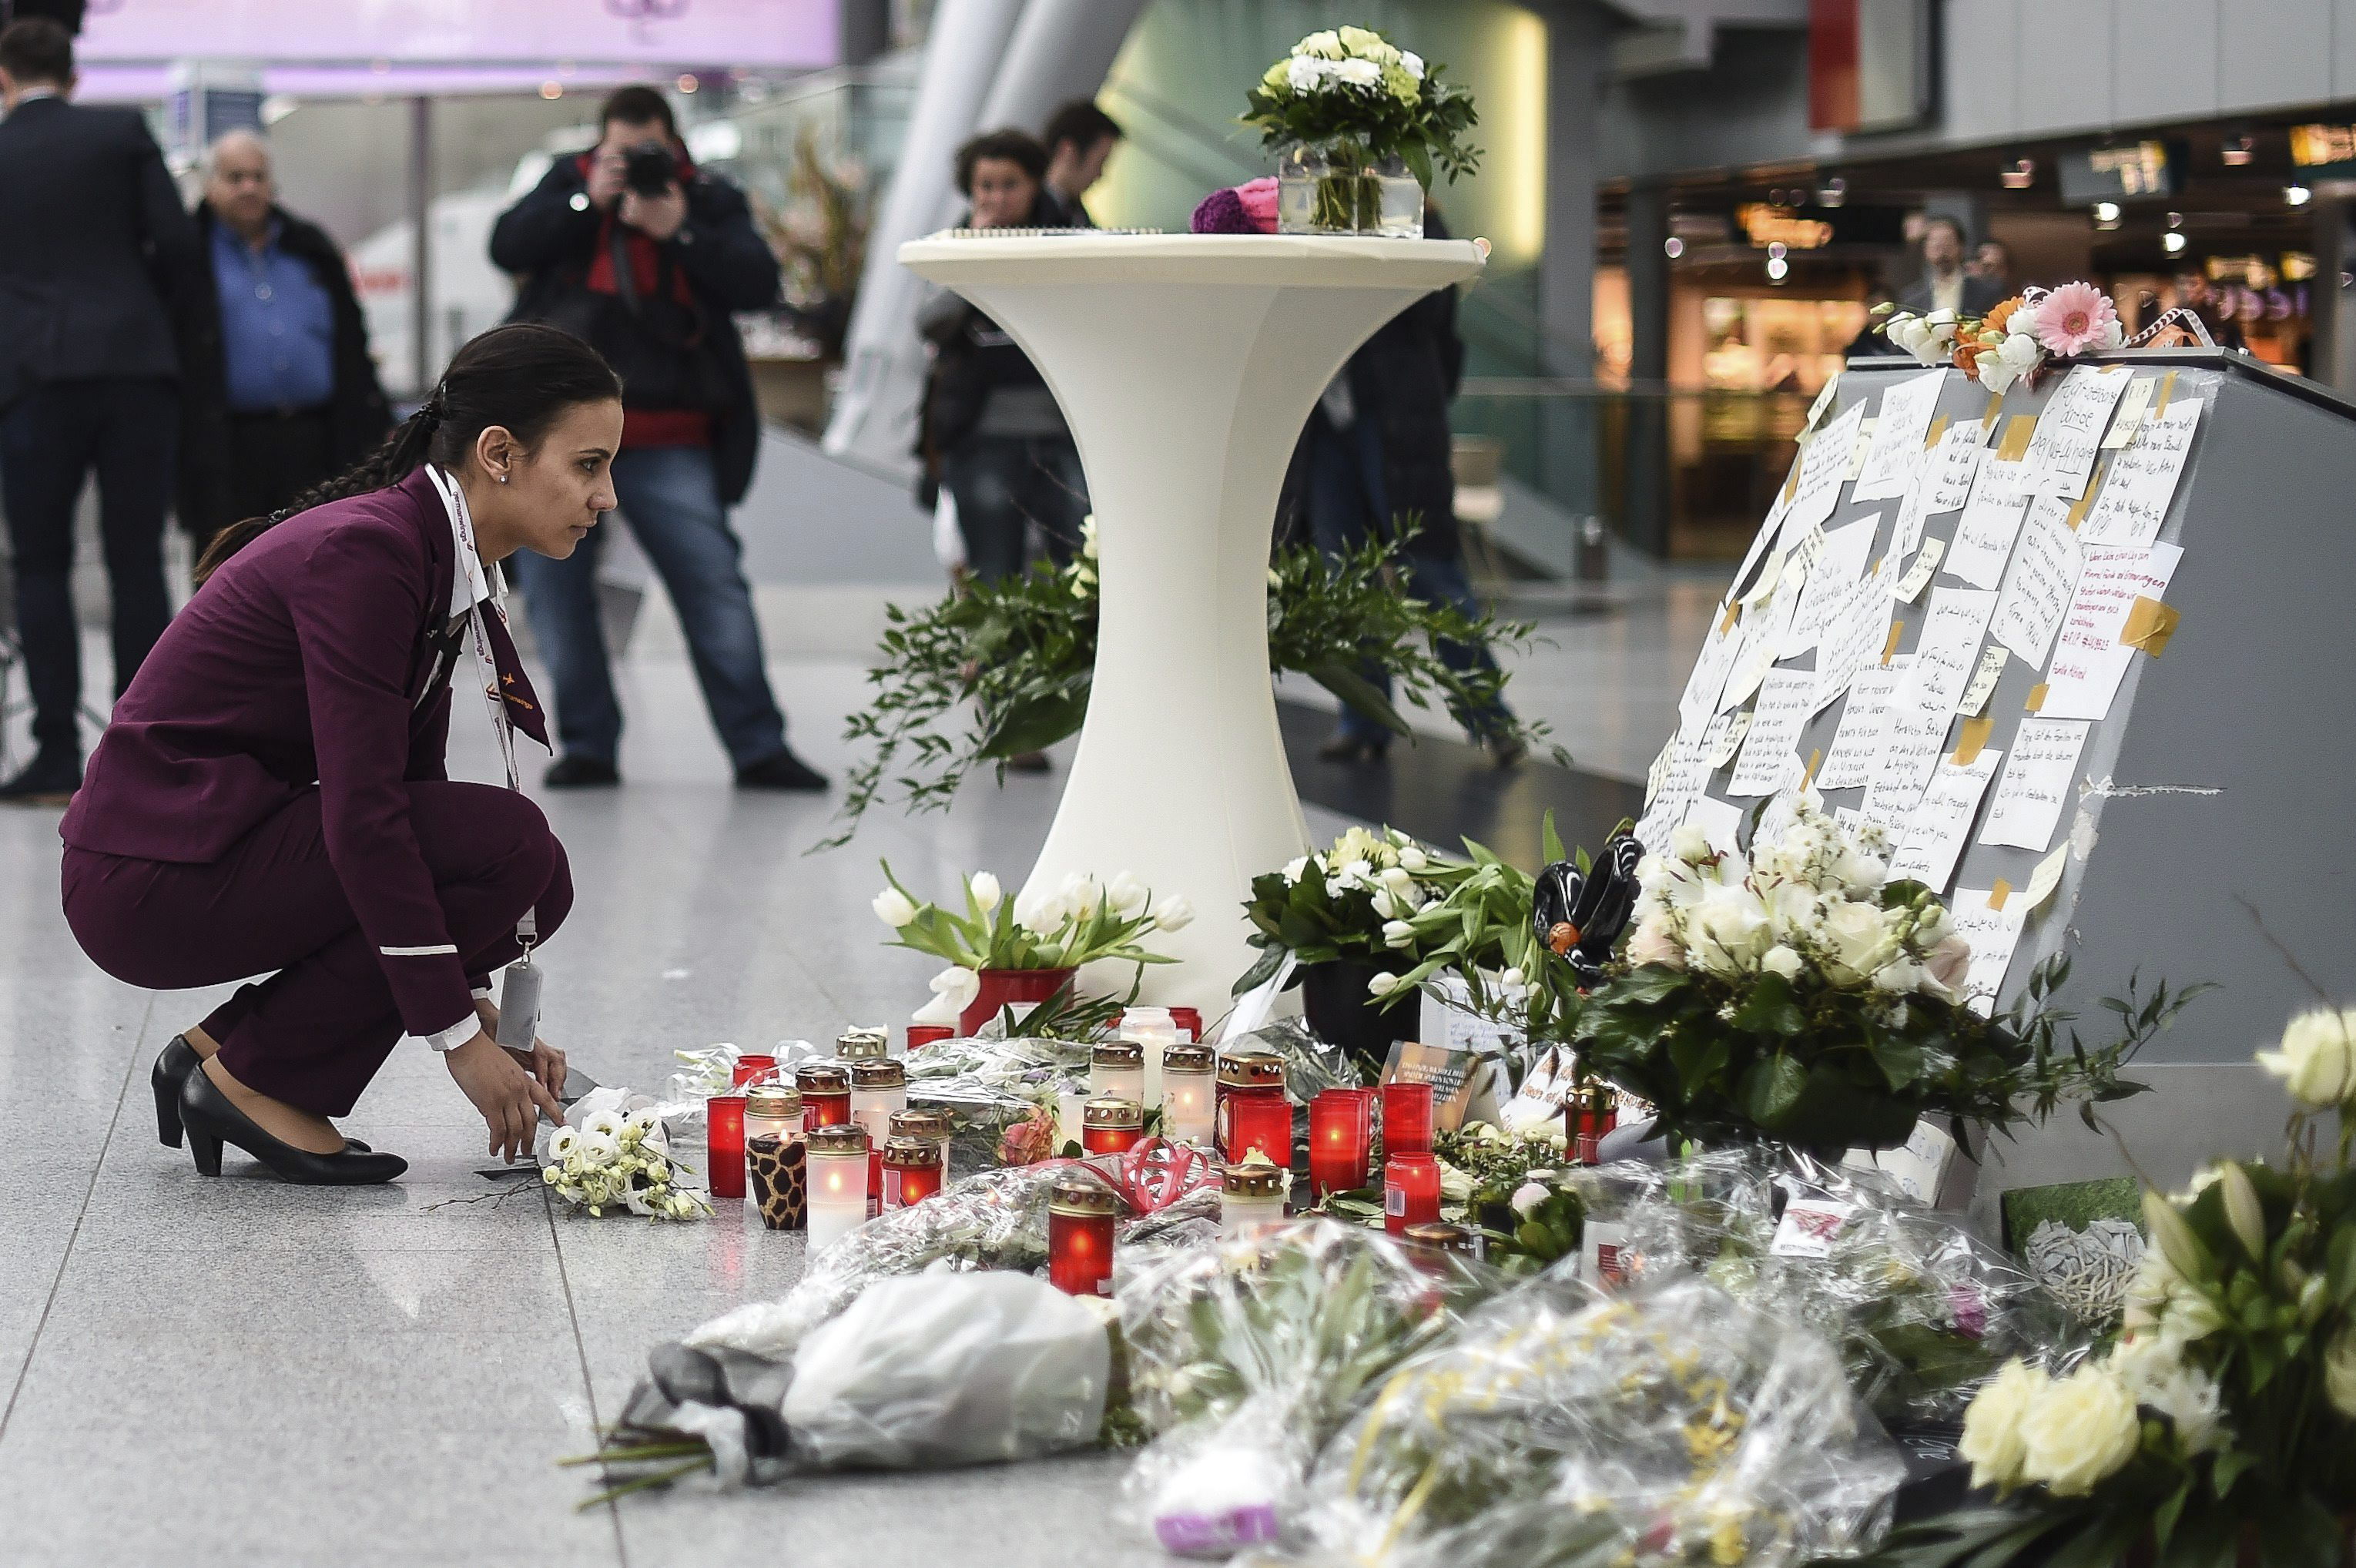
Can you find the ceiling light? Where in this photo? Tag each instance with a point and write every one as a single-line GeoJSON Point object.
{"type": "Point", "coordinates": [2021, 176]}
{"type": "Point", "coordinates": [1775, 250]}
{"type": "Point", "coordinates": [1778, 269]}
{"type": "Point", "coordinates": [2172, 242]}
{"type": "Point", "coordinates": [2238, 151]}
{"type": "Point", "coordinates": [2296, 195]}
{"type": "Point", "coordinates": [1833, 192]}
{"type": "Point", "coordinates": [2176, 221]}
{"type": "Point", "coordinates": [2107, 212]}
{"type": "Point", "coordinates": [1673, 247]}
{"type": "Point", "coordinates": [551, 91]}
{"type": "Point", "coordinates": [686, 82]}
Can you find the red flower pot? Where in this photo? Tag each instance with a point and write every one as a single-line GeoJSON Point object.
{"type": "Point", "coordinates": [999, 987]}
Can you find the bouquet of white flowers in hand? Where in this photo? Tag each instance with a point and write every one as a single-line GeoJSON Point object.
{"type": "Point", "coordinates": [1797, 994]}
{"type": "Point", "coordinates": [620, 1158]}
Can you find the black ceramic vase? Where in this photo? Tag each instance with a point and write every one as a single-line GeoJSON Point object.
{"type": "Point", "coordinates": [1333, 995]}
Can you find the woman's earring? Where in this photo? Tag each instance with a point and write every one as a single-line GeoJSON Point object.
{"type": "Point", "coordinates": [503, 478]}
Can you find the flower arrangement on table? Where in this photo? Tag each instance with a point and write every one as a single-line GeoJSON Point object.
{"type": "Point", "coordinates": [618, 1159]}
{"type": "Point", "coordinates": [1351, 101]}
{"type": "Point", "coordinates": [1798, 995]}
{"type": "Point", "coordinates": [2225, 1416]}
{"type": "Point", "coordinates": [2015, 338]}
{"type": "Point", "coordinates": [1021, 652]}
{"type": "Point", "coordinates": [1045, 937]}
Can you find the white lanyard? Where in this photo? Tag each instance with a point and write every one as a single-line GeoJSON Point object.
{"type": "Point", "coordinates": [486, 667]}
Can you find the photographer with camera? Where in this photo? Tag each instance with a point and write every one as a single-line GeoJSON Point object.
{"type": "Point", "coordinates": [631, 248]}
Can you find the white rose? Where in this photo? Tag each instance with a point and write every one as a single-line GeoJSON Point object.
{"type": "Point", "coordinates": [1949, 962]}
{"type": "Point", "coordinates": [563, 1144]}
{"type": "Point", "coordinates": [894, 908]}
{"type": "Point", "coordinates": [1414, 860]}
{"type": "Point", "coordinates": [2318, 1060]}
{"type": "Point", "coordinates": [1295, 868]}
{"type": "Point", "coordinates": [1993, 1441]}
{"type": "Point", "coordinates": [606, 1123]}
{"type": "Point", "coordinates": [1397, 934]}
{"type": "Point", "coordinates": [1730, 930]}
{"type": "Point", "coordinates": [1359, 73]}
{"type": "Point", "coordinates": [1528, 1196]}
{"type": "Point", "coordinates": [1856, 941]}
{"type": "Point", "coordinates": [1175, 914]}
{"type": "Point", "coordinates": [2339, 1373]}
{"type": "Point", "coordinates": [1301, 74]}
{"type": "Point", "coordinates": [1126, 894]}
{"type": "Point", "coordinates": [598, 1148]}
{"type": "Point", "coordinates": [1689, 843]}
{"type": "Point", "coordinates": [986, 893]}
{"type": "Point", "coordinates": [1327, 45]}
{"type": "Point", "coordinates": [1654, 942]}
{"type": "Point", "coordinates": [1782, 960]}
{"type": "Point", "coordinates": [2079, 1431]}
{"type": "Point", "coordinates": [1411, 63]}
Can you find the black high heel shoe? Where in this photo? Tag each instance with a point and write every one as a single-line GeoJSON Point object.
{"type": "Point", "coordinates": [177, 1060]}
{"type": "Point", "coordinates": [211, 1120]}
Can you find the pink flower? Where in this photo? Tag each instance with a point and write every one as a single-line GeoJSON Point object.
{"type": "Point", "coordinates": [1258, 199]}
{"type": "Point", "coordinates": [2075, 317]}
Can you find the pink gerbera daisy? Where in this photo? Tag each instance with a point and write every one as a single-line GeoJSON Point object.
{"type": "Point", "coordinates": [2073, 317]}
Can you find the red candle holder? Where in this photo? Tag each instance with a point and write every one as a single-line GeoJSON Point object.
{"type": "Point", "coordinates": [1079, 1236]}
{"type": "Point", "coordinates": [723, 1121]}
{"type": "Point", "coordinates": [1261, 1125]}
{"type": "Point", "coordinates": [1588, 1115]}
{"type": "Point", "coordinates": [912, 1171]}
{"type": "Point", "coordinates": [923, 1035]}
{"type": "Point", "coordinates": [1341, 1139]}
{"type": "Point", "coordinates": [1407, 1118]}
{"type": "Point", "coordinates": [753, 1069]}
{"type": "Point", "coordinates": [826, 1096]}
{"type": "Point", "coordinates": [1110, 1125]}
{"type": "Point", "coordinates": [1410, 1192]}
{"type": "Point", "coordinates": [1189, 1021]}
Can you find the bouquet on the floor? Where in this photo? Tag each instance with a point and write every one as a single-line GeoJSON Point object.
{"type": "Point", "coordinates": [1797, 994]}
{"type": "Point", "coordinates": [2225, 1416]}
{"type": "Point", "coordinates": [1672, 1425]}
{"type": "Point", "coordinates": [1082, 922]}
{"type": "Point", "coordinates": [616, 1158]}
{"type": "Point", "coordinates": [1004, 667]}
{"type": "Point", "coordinates": [1350, 902]}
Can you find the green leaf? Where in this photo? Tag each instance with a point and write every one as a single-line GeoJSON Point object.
{"type": "Point", "coordinates": [1419, 162]}
{"type": "Point", "coordinates": [2227, 1469]}
{"type": "Point", "coordinates": [1770, 1009]}
{"type": "Point", "coordinates": [1263, 970]}
{"type": "Point", "coordinates": [1036, 724]}
{"type": "Point", "coordinates": [2342, 1265]}
{"type": "Point", "coordinates": [1901, 1059]}
{"type": "Point", "coordinates": [1361, 693]}
{"type": "Point", "coordinates": [1771, 1088]}
{"type": "Point", "coordinates": [1549, 841]}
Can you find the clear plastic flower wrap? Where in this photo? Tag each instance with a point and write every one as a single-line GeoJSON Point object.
{"type": "Point", "coordinates": [1922, 1312]}
{"type": "Point", "coordinates": [1311, 1065]}
{"type": "Point", "coordinates": [1000, 1095]}
{"type": "Point", "coordinates": [992, 1220]}
{"type": "Point", "coordinates": [1244, 1355]}
{"type": "Point", "coordinates": [1563, 1427]}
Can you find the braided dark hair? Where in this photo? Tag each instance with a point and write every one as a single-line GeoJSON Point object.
{"type": "Point", "coordinates": [522, 377]}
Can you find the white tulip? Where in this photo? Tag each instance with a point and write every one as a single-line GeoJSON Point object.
{"type": "Point", "coordinates": [1175, 914]}
{"type": "Point", "coordinates": [941, 1011]}
{"type": "Point", "coordinates": [894, 908]}
{"type": "Point", "coordinates": [1389, 905]}
{"type": "Point", "coordinates": [1512, 979]}
{"type": "Point", "coordinates": [1399, 879]}
{"type": "Point", "coordinates": [2318, 1060]}
{"type": "Point", "coordinates": [1414, 860]}
{"type": "Point", "coordinates": [1081, 895]}
{"type": "Point", "coordinates": [1382, 985]}
{"type": "Point", "coordinates": [986, 893]}
{"type": "Point", "coordinates": [1397, 934]}
{"type": "Point", "coordinates": [1126, 894]}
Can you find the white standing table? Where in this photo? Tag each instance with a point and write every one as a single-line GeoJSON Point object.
{"type": "Point", "coordinates": [1186, 366]}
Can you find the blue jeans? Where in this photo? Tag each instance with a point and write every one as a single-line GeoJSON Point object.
{"type": "Point", "coordinates": [1003, 484]}
{"type": "Point", "coordinates": [672, 504]}
{"type": "Point", "coordinates": [1346, 504]}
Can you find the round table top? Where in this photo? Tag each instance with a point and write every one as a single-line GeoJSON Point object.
{"type": "Point", "coordinates": [1294, 261]}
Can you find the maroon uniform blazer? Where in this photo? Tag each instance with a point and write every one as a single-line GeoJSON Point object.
{"type": "Point", "coordinates": [305, 663]}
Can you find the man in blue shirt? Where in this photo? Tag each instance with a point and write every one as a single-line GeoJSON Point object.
{"type": "Point", "coordinates": [293, 394]}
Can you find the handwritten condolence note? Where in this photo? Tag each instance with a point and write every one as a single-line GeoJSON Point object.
{"type": "Point", "coordinates": [1896, 452]}
{"type": "Point", "coordinates": [2070, 432]}
{"type": "Point", "coordinates": [2036, 784]}
{"type": "Point", "coordinates": [2141, 482]}
{"type": "Point", "coordinates": [2089, 658]}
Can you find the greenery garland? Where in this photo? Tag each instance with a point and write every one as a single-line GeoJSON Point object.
{"type": "Point", "coordinates": [1004, 667]}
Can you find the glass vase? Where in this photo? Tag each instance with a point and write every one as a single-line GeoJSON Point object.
{"type": "Point", "coordinates": [1339, 188]}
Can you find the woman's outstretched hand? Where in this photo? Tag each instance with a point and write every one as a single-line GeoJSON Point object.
{"type": "Point", "coordinates": [544, 1061]}
{"type": "Point", "coordinates": [510, 1097]}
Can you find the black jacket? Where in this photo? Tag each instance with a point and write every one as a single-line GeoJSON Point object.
{"type": "Point", "coordinates": [551, 241]}
{"type": "Point", "coordinates": [100, 271]}
{"type": "Point", "coordinates": [1981, 296]}
{"type": "Point", "coordinates": [357, 414]}
{"type": "Point", "coordinates": [972, 355]}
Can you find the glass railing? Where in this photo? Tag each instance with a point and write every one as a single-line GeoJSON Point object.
{"type": "Point", "coordinates": [1673, 472]}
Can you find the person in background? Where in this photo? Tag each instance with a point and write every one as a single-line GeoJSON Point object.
{"type": "Point", "coordinates": [1376, 456]}
{"type": "Point", "coordinates": [633, 249]}
{"type": "Point", "coordinates": [1992, 260]}
{"type": "Point", "coordinates": [1080, 139]}
{"type": "Point", "coordinates": [1945, 284]}
{"type": "Point", "coordinates": [101, 289]}
{"type": "Point", "coordinates": [1003, 449]}
{"type": "Point", "coordinates": [286, 395]}
{"type": "Point", "coordinates": [2194, 294]}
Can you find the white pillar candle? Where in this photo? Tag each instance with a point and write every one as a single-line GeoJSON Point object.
{"type": "Point", "coordinates": [837, 1184]}
{"type": "Point", "coordinates": [1155, 1031]}
{"type": "Point", "coordinates": [1188, 1095]}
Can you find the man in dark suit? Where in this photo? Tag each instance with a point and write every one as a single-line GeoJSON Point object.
{"type": "Point", "coordinates": [1080, 137]}
{"type": "Point", "coordinates": [99, 284]}
{"type": "Point", "coordinates": [1945, 284]}
{"type": "Point", "coordinates": [285, 395]}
